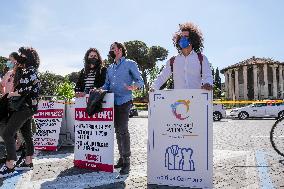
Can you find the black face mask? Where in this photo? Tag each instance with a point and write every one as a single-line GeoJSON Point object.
{"type": "Point", "coordinates": [93, 61]}
{"type": "Point", "coordinates": [22, 60]}
{"type": "Point", "coordinates": [111, 54]}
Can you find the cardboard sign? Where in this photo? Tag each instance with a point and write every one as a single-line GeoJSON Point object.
{"type": "Point", "coordinates": [180, 143]}
{"type": "Point", "coordinates": [48, 122]}
{"type": "Point", "coordinates": [94, 136]}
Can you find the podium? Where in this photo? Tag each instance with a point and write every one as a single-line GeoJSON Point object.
{"type": "Point", "coordinates": [180, 138]}
{"type": "Point", "coordinates": [48, 122]}
{"type": "Point", "coordinates": [94, 136]}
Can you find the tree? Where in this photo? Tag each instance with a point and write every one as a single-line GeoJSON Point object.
{"type": "Point", "coordinates": [3, 60]}
{"type": "Point", "coordinates": [217, 84]}
{"type": "Point", "coordinates": [49, 83]}
{"type": "Point", "coordinates": [73, 77]}
{"type": "Point", "coordinates": [108, 61]}
{"type": "Point", "coordinates": [65, 90]}
{"type": "Point", "coordinates": [145, 57]}
{"type": "Point", "coordinates": [153, 73]}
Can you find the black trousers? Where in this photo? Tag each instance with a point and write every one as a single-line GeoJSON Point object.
{"type": "Point", "coordinates": [18, 120]}
{"type": "Point", "coordinates": [121, 118]}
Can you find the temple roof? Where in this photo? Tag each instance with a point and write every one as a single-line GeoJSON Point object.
{"type": "Point", "coordinates": [252, 61]}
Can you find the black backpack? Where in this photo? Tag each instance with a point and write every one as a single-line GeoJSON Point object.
{"type": "Point", "coordinates": [170, 82]}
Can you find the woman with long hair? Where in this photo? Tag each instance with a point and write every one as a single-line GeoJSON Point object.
{"type": "Point", "coordinates": [92, 75]}
{"type": "Point", "coordinates": [24, 104]}
{"type": "Point", "coordinates": [7, 86]}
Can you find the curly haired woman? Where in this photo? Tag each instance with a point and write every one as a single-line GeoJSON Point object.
{"type": "Point", "coordinates": [26, 88]}
{"type": "Point", "coordinates": [190, 69]}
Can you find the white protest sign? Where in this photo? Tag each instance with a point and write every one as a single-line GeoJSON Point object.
{"type": "Point", "coordinates": [94, 136]}
{"type": "Point", "coordinates": [180, 143]}
{"type": "Point", "coordinates": [48, 122]}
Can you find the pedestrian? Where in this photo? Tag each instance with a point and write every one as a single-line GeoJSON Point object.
{"type": "Point", "coordinates": [23, 104]}
{"type": "Point", "coordinates": [7, 86]}
{"type": "Point", "coordinates": [122, 78]}
{"type": "Point", "coordinates": [190, 68]}
{"type": "Point", "coordinates": [92, 75]}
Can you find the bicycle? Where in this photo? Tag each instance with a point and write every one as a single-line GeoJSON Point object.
{"type": "Point", "coordinates": [277, 137]}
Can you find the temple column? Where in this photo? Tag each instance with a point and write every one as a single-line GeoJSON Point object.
{"type": "Point", "coordinates": [281, 80]}
{"type": "Point", "coordinates": [230, 84]}
{"type": "Point", "coordinates": [274, 81]}
{"type": "Point", "coordinates": [265, 78]}
{"type": "Point", "coordinates": [237, 83]}
{"type": "Point", "coordinates": [226, 85]}
{"type": "Point", "coordinates": [245, 75]}
{"type": "Point", "coordinates": [255, 82]}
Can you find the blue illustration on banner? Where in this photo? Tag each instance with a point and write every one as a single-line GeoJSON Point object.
{"type": "Point", "coordinates": [177, 158]}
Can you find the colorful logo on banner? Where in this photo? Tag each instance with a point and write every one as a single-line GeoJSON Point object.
{"type": "Point", "coordinates": [180, 103]}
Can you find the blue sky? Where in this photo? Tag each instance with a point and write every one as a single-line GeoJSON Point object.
{"type": "Point", "coordinates": [62, 30]}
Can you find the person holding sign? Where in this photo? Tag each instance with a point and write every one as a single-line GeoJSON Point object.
{"type": "Point", "coordinates": [190, 69]}
{"type": "Point", "coordinates": [23, 103]}
{"type": "Point", "coordinates": [93, 75]}
{"type": "Point", "coordinates": [122, 78]}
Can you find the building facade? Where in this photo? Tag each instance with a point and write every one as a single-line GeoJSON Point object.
{"type": "Point", "coordinates": [254, 79]}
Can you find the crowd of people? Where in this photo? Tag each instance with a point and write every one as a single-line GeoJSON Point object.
{"type": "Point", "coordinates": [20, 89]}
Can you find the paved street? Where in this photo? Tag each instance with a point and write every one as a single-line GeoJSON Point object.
{"type": "Point", "coordinates": [243, 158]}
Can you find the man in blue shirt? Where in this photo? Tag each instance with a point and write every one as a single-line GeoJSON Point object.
{"type": "Point", "coordinates": [122, 78]}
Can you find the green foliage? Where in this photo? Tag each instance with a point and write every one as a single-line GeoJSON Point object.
{"type": "Point", "coordinates": [73, 77]}
{"type": "Point", "coordinates": [217, 84]}
{"type": "Point", "coordinates": [146, 58]}
{"type": "Point", "coordinates": [138, 94]}
{"type": "Point", "coordinates": [49, 83]}
{"type": "Point", "coordinates": [153, 73]}
{"type": "Point", "coordinates": [108, 62]}
{"type": "Point", "coordinates": [65, 91]}
{"type": "Point", "coordinates": [3, 60]}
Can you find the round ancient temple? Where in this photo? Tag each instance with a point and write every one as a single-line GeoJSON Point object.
{"type": "Point", "coordinates": [254, 79]}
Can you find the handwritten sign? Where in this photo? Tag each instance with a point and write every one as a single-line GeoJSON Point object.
{"type": "Point", "coordinates": [180, 142]}
{"type": "Point", "coordinates": [94, 136]}
{"type": "Point", "coordinates": [48, 122]}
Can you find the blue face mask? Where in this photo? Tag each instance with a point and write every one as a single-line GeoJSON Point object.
{"type": "Point", "coordinates": [184, 42]}
{"type": "Point", "coordinates": [10, 65]}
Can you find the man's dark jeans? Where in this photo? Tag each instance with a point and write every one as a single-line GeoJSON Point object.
{"type": "Point", "coordinates": [121, 118]}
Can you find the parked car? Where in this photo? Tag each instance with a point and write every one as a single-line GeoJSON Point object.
{"type": "Point", "coordinates": [133, 112]}
{"type": "Point", "coordinates": [275, 110]}
{"type": "Point", "coordinates": [218, 112]}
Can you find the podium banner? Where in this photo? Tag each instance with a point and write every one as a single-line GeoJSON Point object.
{"type": "Point", "coordinates": [48, 122]}
{"type": "Point", "coordinates": [94, 136]}
{"type": "Point", "coordinates": [180, 138]}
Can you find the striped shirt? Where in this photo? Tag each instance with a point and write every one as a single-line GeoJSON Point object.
{"type": "Point", "coordinates": [90, 81]}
